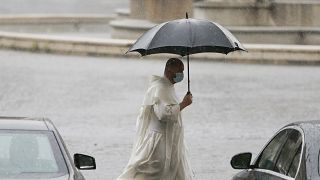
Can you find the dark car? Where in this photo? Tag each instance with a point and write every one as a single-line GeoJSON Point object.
{"type": "Point", "coordinates": [32, 148]}
{"type": "Point", "coordinates": [292, 154]}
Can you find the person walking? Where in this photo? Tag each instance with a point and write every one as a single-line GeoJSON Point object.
{"type": "Point", "coordinates": [159, 151]}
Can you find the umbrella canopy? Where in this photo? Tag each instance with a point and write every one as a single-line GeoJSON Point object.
{"type": "Point", "coordinates": [185, 37]}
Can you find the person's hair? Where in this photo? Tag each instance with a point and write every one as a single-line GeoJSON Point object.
{"type": "Point", "coordinates": [173, 62]}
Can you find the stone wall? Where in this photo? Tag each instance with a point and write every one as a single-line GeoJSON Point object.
{"type": "Point", "coordinates": [260, 12]}
{"type": "Point", "coordinates": [160, 10]}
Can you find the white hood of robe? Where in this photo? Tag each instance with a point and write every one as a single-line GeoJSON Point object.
{"type": "Point", "coordinates": [160, 88]}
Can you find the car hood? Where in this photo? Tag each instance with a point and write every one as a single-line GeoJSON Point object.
{"type": "Point", "coordinates": [65, 177]}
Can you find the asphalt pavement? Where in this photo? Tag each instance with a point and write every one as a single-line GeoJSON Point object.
{"type": "Point", "coordinates": [94, 102]}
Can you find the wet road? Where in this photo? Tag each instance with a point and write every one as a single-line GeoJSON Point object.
{"type": "Point", "coordinates": [94, 102]}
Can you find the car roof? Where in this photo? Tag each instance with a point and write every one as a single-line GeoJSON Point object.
{"type": "Point", "coordinates": [311, 131]}
{"type": "Point", "coordinates": [307, 125]}
{"type": "Point", "coordinates": [24, 123]}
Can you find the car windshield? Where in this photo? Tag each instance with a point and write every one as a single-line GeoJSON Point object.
{"type": "Point", "coordinates": [30, 154]}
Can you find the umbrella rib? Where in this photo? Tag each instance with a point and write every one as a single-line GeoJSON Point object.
{"type": "Point", "coordinates": [191, 38]}
{"type": "Point", "coordinates": [160, 26]}
{"type": "Point", "coordinates": [163, 25]}
{"type": "Point", "coordinates": [227, 35]}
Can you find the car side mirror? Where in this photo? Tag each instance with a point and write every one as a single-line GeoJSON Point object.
{"type": "Point", "coordinates": [84, 162]}
{"type": "Point", "coordinates": [241, 161]}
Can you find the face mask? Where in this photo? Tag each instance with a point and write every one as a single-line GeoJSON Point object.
{"type": "Point", "coordinates": [178, 78]}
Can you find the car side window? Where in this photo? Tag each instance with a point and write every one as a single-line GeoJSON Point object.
{"type": "Point", "coordinates": [295, 163]}
{"type": "Point", "coordinates": [268, 158]}
{"type": "Point", "coordinates": [289, 152]}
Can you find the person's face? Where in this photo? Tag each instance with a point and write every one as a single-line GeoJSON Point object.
{"type": "Point", "coordinates": [174, 70]}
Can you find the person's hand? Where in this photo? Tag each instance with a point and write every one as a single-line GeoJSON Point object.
{"type": "Point", "coordinates": [187, 100]}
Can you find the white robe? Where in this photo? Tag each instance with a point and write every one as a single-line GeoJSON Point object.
{"type": "Point", "coordinates": [159, 151]}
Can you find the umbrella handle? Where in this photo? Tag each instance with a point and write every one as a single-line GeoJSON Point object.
{"type": "Point", "coordinates": [188, 74]}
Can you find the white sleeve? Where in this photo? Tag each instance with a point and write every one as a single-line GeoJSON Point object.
{"type": "Point", "coordinates": [166, 112]}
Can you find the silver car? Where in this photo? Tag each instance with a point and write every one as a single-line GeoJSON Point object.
{"type": "Point", "coordinates": [32, 148]}
{"type": "Point", "coordinates": [292, 154]}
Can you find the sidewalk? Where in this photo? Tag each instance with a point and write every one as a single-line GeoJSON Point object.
{"type": "Point", "coordinates": [257, 53]}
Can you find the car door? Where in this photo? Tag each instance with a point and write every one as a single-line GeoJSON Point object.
{"type": "Point", "coordinates": [280, 158]}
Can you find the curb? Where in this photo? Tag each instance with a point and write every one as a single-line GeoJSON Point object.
{"type": "Point", "coordinates": [258, 53]}
{"type": "Point", "coordinates": [64, 45]}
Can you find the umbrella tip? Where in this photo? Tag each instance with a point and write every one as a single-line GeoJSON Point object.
{"type": "Point", "coordinates": [187, 15]}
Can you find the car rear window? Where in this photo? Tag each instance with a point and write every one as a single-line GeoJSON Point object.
{"type": "Point", "coordinates": [31, 154]}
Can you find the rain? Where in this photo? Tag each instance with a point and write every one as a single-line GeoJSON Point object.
{"type": "Point", "coordinates": [94, 101]}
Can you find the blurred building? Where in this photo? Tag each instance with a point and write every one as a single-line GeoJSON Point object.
{"type": "Point", "coordinates": [252, 21]}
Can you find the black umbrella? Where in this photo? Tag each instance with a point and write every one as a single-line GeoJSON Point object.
{"type": "Point", "coordinates": [186, 36]}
